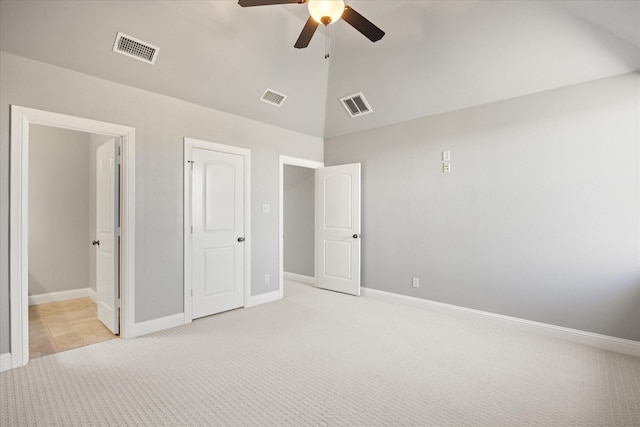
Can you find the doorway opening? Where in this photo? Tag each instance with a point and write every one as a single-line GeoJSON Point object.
{"type": "Point", "coordinates": [62, 213]}
{"type": "Point", "coordinates": [297, 227]}
{"type": "Point", "coordinates": [22, 119]}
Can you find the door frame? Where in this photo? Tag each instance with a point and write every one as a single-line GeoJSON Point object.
{"type": "Point", "coordinates": [21, 118]}
{"type": "Point", "coordinates": [305, 163]}
{"type": "Point", "coordinates": [190, 143]}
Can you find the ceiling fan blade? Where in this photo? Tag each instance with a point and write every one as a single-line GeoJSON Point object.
{"type": "Point", "coordinates": [306, 34]}
{"type": "Point", "coordinates": [362, 24]}
{"type": "Point", "coordinates": [248, 3]}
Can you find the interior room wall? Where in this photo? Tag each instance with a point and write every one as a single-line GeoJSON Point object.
{"type": "Point", "coordinates": [161, 123]}
{"type": "Point", "coordinates": [298, 218]}
{"type": "Point", "coordinates": [59, 240]}
{"type": "Point", "coordinates": [538, 218]}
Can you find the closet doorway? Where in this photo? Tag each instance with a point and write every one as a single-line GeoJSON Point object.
{"type": "Point", "coordinates": [22, 120]}
{"type": "Point", "coordinates": [73, 197]}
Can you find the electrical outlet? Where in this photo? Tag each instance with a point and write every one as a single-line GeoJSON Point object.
{"type": "Point", "coordinates": [266, 208]}
{"type": "Point", "coordinates": [446, 168]}
{"type": "Point", "coordinates": [267, 278]}
{"type": "Point", "coordinates": [416, 282]}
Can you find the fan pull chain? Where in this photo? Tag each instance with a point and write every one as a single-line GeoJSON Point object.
{"type": "Point", "coordinates": [327, 42]}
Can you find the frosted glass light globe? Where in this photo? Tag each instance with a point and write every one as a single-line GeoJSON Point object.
{"type": "Point", "coordinates": [319, 9]}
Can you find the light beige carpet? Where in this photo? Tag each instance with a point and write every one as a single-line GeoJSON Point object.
{"type": "Point", "coordinates": [319, 358]}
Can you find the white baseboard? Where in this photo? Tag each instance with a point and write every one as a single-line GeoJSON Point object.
{"type": "Point", "coordinates": [58, 296]}
{"type": "Point", "coordinates": [6, 362]}
{"type": "Point", "coordinates": [294, 277]}
{"type": "Point", "coordinates": [604, 342]}
{"type": "Point", "coordinates": [262, 299]}
{"type": "Point", "coordinates": [155, 325]}
{"type": "Point", "coordinates": [93, 295]}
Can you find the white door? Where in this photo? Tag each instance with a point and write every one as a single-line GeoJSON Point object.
{"type": "Point", "coordinates": [217, 241]}
{"type": "Point", "coordinates": [106, 236]}
{"type": "Point", "coordinates": [338, 228]}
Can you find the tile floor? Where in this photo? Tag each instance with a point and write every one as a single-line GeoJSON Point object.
{"type": "Point", "coordinates": [60, 326]}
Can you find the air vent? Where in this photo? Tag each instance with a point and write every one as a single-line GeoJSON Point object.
{"type": "Point", "coordinates": [356, 105]}
{"type": "Point", "coordinates": [135, 48]}
{"type": "Point", "coordinates": [274, 98]}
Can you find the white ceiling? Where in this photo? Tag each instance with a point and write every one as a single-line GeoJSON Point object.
{"type": "Point", "coordinates": [437, 55]}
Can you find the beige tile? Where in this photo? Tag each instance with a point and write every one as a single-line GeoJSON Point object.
{"type": "Point", "coordinates": [64, 306]}
{"type": "Point", "coordinates": [69, 341]}
{"type": "Point", "coordinates": [41, 346]}
{"type": "Point", "coordinates": [64, 325]}
{"type": "Point", "coordinates": [75, 315]}
{"type": "Point", "coordinates": [34, 313]}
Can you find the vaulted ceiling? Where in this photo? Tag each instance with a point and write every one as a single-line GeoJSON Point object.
{"type": "Point", "coordinates": [437, 55]}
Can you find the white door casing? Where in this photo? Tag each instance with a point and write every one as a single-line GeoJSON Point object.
{"type": "Point", "coordinates": [106, 237]}
{"type": "Point", "coordinates": [216, 228]}
{"type": "Point", "coordinates": [21, 118]}
{"type": "Point", "coordinates": [338, 228]}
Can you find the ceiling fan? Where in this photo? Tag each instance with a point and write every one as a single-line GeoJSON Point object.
{"type": "Point", "coordinates": [324, 12]}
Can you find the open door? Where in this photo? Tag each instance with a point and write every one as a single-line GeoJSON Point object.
{"type": "Point", "coordinates": [338, 228]}
{"type": "Point", "coordinates": [106, 242]}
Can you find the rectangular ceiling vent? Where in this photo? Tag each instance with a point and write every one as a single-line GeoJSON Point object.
{"type": "Point", "coordinates": [135, 48]}
{"type": "Point", "coordinates": [356, 105]}
{"type": "Point", "coordinates": [274, 98]}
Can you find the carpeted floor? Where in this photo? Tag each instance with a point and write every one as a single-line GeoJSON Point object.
{"type": "Point", "coordinates": [322, 358]}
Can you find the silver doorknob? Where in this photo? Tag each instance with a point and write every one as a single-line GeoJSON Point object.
{"type": "Point", "coordinates": [240, 239]}
{"type": "Point", "coordinates": [96, 242]}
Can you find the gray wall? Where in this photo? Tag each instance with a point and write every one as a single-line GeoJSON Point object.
{"type": "Point", "coordinates": [161, 123]}
{"type": "Point", "coordinates": [59, 240]}
{"type": "Point", "coordinates": [298, 220]}
{"type": "Point", "coordinates": [538, 219]}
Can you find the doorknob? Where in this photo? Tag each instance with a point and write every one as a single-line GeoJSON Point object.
{"type": "Point", "coordinates": [96, 242]}
{"type": "Point", "coordinates": [240, 239]}
{"type": "Point", "coordinates": [355, 236]}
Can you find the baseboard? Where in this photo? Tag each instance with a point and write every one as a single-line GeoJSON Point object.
{"type": "Point", "coordinates": [262, 299]}
{"type": "Point", "coordinates": [6, 362]}
{"type": "Point", "coordinates": [58, 296]}
{"type": "Point", "coordinates": [604, 342]}
{"type": "Point", "coordinates": [155, 325]}
{"type": "Point", "coordinates": [93, 295]}
{"type": "Point", "coordinates": [295, 277]}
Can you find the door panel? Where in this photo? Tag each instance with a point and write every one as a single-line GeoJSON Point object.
{"type": "Point", "coordinates": [338, 221]}
{"type": "Point", "coordinates": [107, 248]}
{"type": "Point", "coordinates": [217, 256]}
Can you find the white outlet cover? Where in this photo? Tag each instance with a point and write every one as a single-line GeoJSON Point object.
{"type": "Point", "coordinates": [446, 168]}
{"type": "Point", "coordinates": [266, 208]}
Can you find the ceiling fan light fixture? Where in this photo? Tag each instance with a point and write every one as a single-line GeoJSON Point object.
{"type": "Point", "coordinates": [326, 11]}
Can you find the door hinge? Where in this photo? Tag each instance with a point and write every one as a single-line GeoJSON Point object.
{"type": "Point", "coordinates": [118, 303]}
{"type": "Point", "coordinates": [192, 229]}
{"type": "Point", "coordinates": [191, 293]}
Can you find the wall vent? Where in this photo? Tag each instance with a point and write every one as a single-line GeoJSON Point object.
{"type": "Point", "coordinates": [272, 97]}
{"type": "Point", "coordinates": [135, 48]}
{"type": "Point", "coordinates": [356, 105]}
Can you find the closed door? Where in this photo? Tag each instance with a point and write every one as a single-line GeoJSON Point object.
{"type": "Point", "coordinates": [338, 228]}
{"type": "Point", "coordinates": [217, 242]}
{"type": "Point", "coordinates": [106, 237]}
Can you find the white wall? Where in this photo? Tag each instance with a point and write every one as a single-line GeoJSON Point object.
{"type": "Point", "coordinates": [59, 240]}
{"type": "Point", "coordinates": [538, 219]}
{"type": "Point", "coordinates": [298, 220]}
{"type": "Point", "coordinates": [161, 124]}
